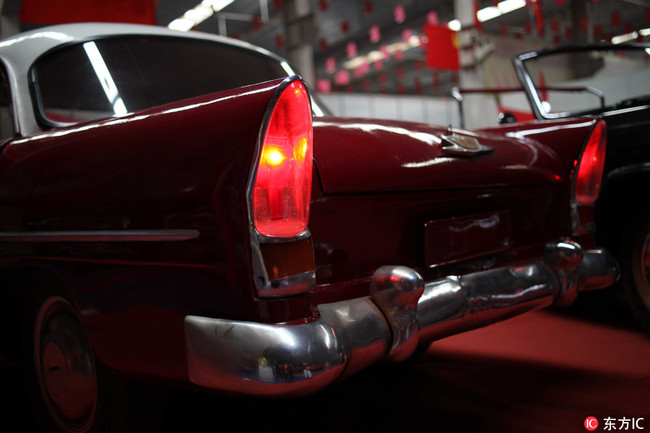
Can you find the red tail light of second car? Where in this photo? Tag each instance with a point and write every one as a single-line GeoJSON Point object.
{"type": "Point", "coordinates": [590, 166]}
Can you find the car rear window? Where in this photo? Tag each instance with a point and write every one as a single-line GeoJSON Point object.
{"type": "Point", "coordinates": [116, 76]}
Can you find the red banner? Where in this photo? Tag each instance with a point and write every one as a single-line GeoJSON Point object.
{"type": "Point", "coordinates": [442, 47]}
{"type": "Point", "coordinates": [75, 11]}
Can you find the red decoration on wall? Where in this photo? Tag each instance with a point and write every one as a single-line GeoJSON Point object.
{"type": "Point", "coordinates": [351, 50]}
{"type": "Point", "coordinates": [384, 51]}
{"type": "Point", "coordinates": [406, 35]}
{"type": "Point", "coordinates": [323, 5]}
{"type": "Point", "coordinates": [616, 19]}
{"type": "Point", "coordinates": [279, 41]}
{"type": "Point", "coordinates": [555, 25]}
{"type": "Point", "coordinates": [399, 72]}
{"type": "Point", "coordinates": [542, 84]}
{"type": "Point", "coordinates": [324, 85]}
{"type": "Point", "coordinates": [382, 78]}
{"type": "Point", "coordinates": [277, 4]}
{"type": "Point", "coordinates": [432, 18]}
{"type": "Point", "coordinates": [330, 65]}
{"type": "Point", "coordinates": [568, 33]}
{"type": "Point", "coordinates": [345, 26]}
{"type": "Point", "coordinates": [342, 78]}
{"type": "Point", "coordinates": [560, 3]}
{"type": "Point", "coordinates": [257, 22]}
{"type": "Point", "coordinates": [598, 31]}
{"type": "Point", "coordinates": [442, 47]}
{"type": "Point", "coordinates": [527, 27]}
{"type": "Point", "coordinates": [583, 23]}
{"type": "Point", "coordinates": [378, 65]}
{"type": "Point", "coordinates": [74, 11]}
{"type": "Point", "coordinates": [400, 89]}
{"type": "Point", "coordinates": [323, 45]}
{"type": "Point", "coordinates": [417, 84]}
{"type": "Point", "coordinates": [539, 16]}
{"type": "Point", "coordinates": [399, 14]}
{"type": "Point", "coordinates": [503, 29]}
{"type": "Point", "coordinates": [363, 69]}
{"type": "Point", "coordinates": [368, 7]}
{"type": "Point", "coordinates": [374, 34]}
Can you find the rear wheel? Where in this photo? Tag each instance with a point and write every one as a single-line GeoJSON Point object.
{"type": "Point", "coordinates": [71, 391]}
{"type": "Point", "coordinates": [636, 268]}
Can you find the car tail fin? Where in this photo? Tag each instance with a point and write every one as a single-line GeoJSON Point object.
{"type": "Point", "coordinates": [281, 190]}
{"type": "Point", "coordinates": [587, 177]}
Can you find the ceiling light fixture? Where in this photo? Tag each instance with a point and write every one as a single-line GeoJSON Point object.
{"type": "Point", "coordinates": [376, 55]}
{"type": "Point", "coordinates": [491, 12]}
{"type": "Point", "coordinates": [198, 14]}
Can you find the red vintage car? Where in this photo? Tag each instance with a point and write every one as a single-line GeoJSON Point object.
{"type": "Point", "coordinates": [168, 211]}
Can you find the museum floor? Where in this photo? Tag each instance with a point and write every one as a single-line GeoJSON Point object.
{"type": "Point", "coordinates": [542, 372]}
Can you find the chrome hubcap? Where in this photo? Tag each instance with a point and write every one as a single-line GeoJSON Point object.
{"type": "Point", "coordinates": [65, 366]}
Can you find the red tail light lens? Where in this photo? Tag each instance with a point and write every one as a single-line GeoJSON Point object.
{"type": "Point", "coordinates": [282, 187]}
{"type": "Point", "coordinates": [590, 166]}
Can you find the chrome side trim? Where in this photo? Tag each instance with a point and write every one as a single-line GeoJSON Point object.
{"type": "Point", "coordinates": [283, 359]}
{"type": "Point", "coordinates": [101, 236]}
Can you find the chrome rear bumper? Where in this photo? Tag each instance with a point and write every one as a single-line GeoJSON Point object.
{"type": "Point", "coordinates": [402, 312]}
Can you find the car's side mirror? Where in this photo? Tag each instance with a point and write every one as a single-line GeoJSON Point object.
{"type": "Point", "coordinates": [506, 117]}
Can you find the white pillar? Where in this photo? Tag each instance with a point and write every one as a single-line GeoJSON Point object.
{"type": "Point", "coordinates": [299, 30]}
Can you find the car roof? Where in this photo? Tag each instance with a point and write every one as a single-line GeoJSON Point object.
{"type": "Point", "coordinates": [19, 52]}
{"type": "Point", "coordinates": [24, 48]}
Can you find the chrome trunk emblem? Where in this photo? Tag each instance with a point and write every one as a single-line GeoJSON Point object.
{"type": "Point", "coordinates": [463, 145]}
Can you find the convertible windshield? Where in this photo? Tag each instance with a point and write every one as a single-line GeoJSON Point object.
{"type": "Point", "coordinates": [586, 81]}
{"type": "Point", "coordinates": [116, 76]}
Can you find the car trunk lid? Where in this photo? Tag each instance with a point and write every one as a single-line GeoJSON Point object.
{"type": "Point", "coordinates": [363, 155]}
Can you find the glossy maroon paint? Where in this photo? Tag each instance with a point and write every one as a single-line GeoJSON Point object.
{"type": "Point", "coordinates": [187, 166]}
{"type": "Point", "coordinates": [377, 200]}
{"type": "Point", "coordinates": [144, 172]}
{"type": "Point", "coordinates": [362, 155]}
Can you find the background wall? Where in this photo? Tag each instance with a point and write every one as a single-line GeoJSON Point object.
{"type": "Point", "coordinates": [439, 111]}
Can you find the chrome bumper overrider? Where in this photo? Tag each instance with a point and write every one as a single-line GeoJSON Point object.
{"type": "Point", "coordinates": [402, 312]}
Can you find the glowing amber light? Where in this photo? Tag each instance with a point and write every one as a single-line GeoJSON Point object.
{"type": "Point", "coordinates": [273, 156]}
{"type": "Point", "coordinates": [302, 148]}
{"type": "Point", "coordinates": [281, 193]}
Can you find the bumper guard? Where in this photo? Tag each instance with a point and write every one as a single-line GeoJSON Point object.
{"type": "Point", "coordinates": [402, 312]}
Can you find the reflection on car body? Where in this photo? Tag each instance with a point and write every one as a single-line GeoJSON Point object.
{"type": "Point", "coordinates": [163, 221]}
